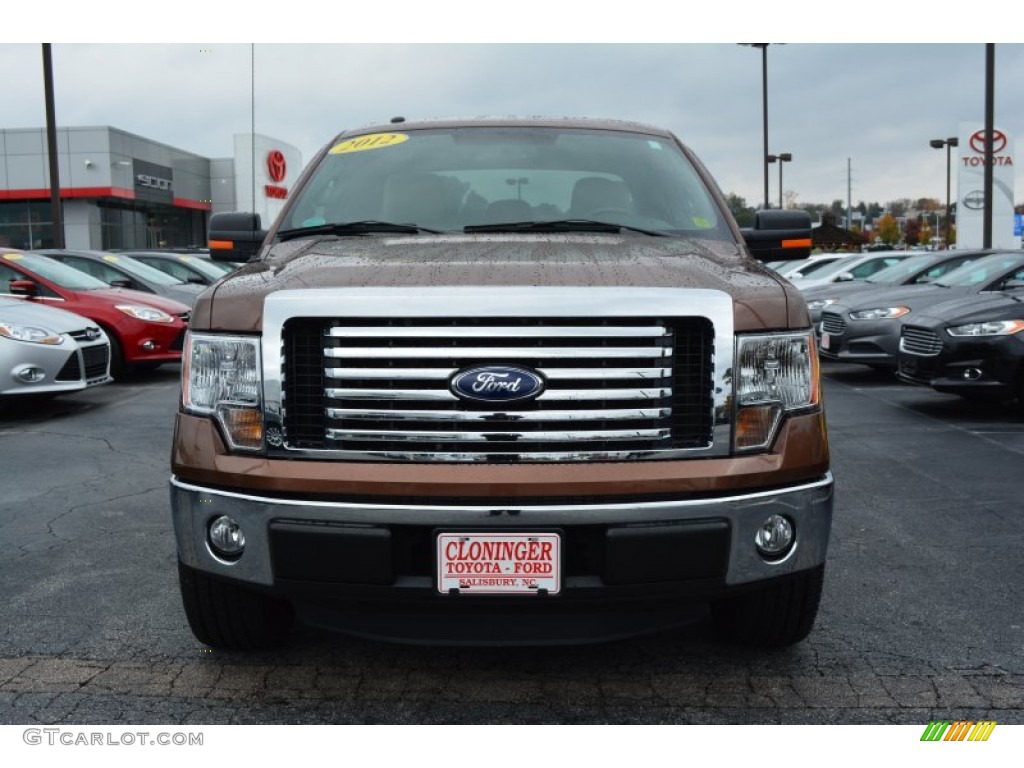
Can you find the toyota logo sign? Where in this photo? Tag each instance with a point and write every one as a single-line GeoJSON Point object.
{"type": "Point", "coordinates": [998, 141]}
{"type": "Point", "coordinates": [276, 166]}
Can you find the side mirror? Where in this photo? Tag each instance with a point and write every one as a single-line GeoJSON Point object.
{"type": "Point", "coordinates": [121, 282]}
{"type": "Point", "coordinates": [778, 235]}
{"type": "Point", "coordinates": [235, 236]}
{"type": "Point", "coordinates": [844, 277]}
{"type": "Point", "coordinates": [24, 288]}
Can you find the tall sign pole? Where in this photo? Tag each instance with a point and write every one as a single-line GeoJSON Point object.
{"type": "Point", "coordinates": [51, 148]}
{"type": "Point", "coordinates": [990, 99]}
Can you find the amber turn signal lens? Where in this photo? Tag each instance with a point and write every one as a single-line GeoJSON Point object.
{"type": "Point", "coordinates": [244, 426]}
{"type": "Point", "coordinates": [755, 424]}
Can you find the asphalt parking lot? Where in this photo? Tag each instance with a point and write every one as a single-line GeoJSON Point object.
{"type": "Point", "coordinates": [922, 616]}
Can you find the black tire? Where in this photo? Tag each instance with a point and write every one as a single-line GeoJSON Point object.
{"type": "Point", "coordinates": [117, 365]}
{"type": "Point", "coordinates": [227, 616]}
{"type": "Point", "coordinates": [775, 615]}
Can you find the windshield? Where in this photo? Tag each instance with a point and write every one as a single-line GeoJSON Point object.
{"type": "Point", "coordinates": [447, 179]}
{"type": "Point", "coordinates": [901, 270]}
{"type": "Point", "coordinates": [55, 272]}
{"type": "Point", "coordinates": [980, 271]}
{"type": "Point", "coordinates": [168, 265]}
{"type": "Point", "coordinates": [142, 271]}
{"type": "Point", "coordinates": [833, 267]}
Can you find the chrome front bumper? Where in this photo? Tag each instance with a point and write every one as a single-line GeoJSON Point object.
{"type": "Point", "coordinates": [808, 506]}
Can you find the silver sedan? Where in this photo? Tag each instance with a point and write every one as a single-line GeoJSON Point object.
{"type": "Point", "coordinates": [47, 351]}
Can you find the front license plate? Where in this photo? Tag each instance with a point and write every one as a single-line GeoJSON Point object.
{"type": "Point", "coordinates": [825, 341]}
{"type": "Point", "coordinates": [499, 563]}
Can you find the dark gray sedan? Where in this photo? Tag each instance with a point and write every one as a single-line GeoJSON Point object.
{"type": "Point", "coordinates": [865, 328]}
{"type": "Point", "coordinates": [921, 269]}
{"type": "Point", "coordinates": [123, 271]}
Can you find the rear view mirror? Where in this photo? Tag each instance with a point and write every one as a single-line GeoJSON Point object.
{"type": "Point", "coordinates": [24, 288]}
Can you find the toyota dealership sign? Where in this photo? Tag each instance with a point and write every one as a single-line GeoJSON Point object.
{"type": "Point", "coordinates": [277, 166]}
{"type": "Point", "coordinates": [970, 210]}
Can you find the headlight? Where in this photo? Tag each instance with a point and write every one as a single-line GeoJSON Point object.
{"type": "Point", "coordinates": [148, 314]}
{"type": "Point", "coordinates": [993, 328]}
{"type": "Point", "coordinates": [880, 313]}
{"type": "Point", "coordinates": [820, 303]}
{"type": "Point", "coordinates": [34, 334]}
{"type": "Point", "coordinates": [777, 373]}
{"type": "Point", "coordinates": [221, 376]}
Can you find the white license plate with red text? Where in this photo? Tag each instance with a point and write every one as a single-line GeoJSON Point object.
{"type": "Point", "coordinates": [499, 563]}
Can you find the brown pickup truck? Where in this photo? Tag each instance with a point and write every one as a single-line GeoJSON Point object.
{"type": "Point", "coordinates": [502, 381]}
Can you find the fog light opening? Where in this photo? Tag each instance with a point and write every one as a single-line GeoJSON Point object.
{"type": "Point", "coordinates": [774, 537]}
{"type": "Point", "coordinates": [226, 537]}
{"type": "Point", "coordinates": [148, 345]}
{"type": "Point", "coordinates": [972, 374]}
{"type": "Point", "coordinates": [30, 374]}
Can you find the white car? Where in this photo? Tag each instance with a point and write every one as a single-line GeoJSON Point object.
{"type": "Point", "coordinates": [855, 267]}
{"type": "Point", "coordinates": [48, 351]}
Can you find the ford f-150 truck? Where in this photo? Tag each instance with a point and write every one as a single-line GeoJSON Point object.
{"type": "Point", "coordinates": [502, 381]}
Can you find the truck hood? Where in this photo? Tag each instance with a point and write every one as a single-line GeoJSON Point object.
{"type": "Point", "coordinates": [761, 299]}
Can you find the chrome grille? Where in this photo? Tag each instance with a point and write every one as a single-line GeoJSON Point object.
{"type": "Point", "coordinates": [379, 388]}
{"type": "Point", "coordinates": [832, 324]}
{"type": "Point", "coordinates": [920, 341]}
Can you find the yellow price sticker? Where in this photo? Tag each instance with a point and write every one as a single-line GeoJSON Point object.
{"type": "Point", "coordinates": [701, 222]}
{"type": "Point", "coordinates": [370, 141]}
{"type": "Point", "coordinates": [12, 256]}
{"type": "Point", "coordinates": [110, 258]}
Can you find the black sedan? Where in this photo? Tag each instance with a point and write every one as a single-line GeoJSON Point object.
{"type": "Point", "coordinates": [865, 328]}
{"type": "Point", "coordinates": [972, 347]}
{"type": "Point", "coordinates": [920, 269]}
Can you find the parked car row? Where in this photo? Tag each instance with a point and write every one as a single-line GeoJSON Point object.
{"type": "Point", "coordinates": [133, 310]}
{"type": "Point", "coordinates": [952, 320]}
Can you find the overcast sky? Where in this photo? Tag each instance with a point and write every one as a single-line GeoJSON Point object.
{"type": "Point", "coordinates": [876, 104]}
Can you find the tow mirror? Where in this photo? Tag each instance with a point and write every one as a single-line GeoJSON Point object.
{"type": "Point", "coordinates": [778, 235]}
{"type": "Point", "coordinates": [235, 236]}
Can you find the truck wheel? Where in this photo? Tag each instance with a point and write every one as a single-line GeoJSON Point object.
{"type": "Point", "coordinates": [774, 615]}
{"type": "Point", "coordinates": [225, 615]}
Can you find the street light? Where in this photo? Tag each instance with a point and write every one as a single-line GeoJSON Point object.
{"type": "Point", "coordinates": [784, 157]}
{"type": "Point", "coordinates": [764, 102]}
{"type": "Point", "coordinates": [949, 143]}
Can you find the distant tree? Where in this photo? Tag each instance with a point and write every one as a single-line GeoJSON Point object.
{"type": "Point", "coordinates": [861, 208]}
{"type": "Point", "coordinates": [952, 237]}
{"type": "Point", "coordinates": [926, 234]}
{"type": "Point", "coordinates": [928, 204]}
{"type": "Point", "coordinates": [888, 230]}
{"type": "Point", "coordinates": [790, 197]}
{"type": "Point", "coordinates": [912, 232]}
{"type": "Point", "coordinates": [742, 212]}
{"type": "Point", "coordinates": [898, 208]}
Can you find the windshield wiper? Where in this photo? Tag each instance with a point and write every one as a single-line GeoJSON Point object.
{"type": "Point", "coordinates": [561, 225]}
{"type": "Point", "coordinates": [366, 227]}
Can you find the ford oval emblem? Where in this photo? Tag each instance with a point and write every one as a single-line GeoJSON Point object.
{"type": "Point", "coordinates": [497, 384]}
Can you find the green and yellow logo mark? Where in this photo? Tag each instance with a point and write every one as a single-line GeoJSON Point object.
{"type": "Point", "coordinates": [958, 730]}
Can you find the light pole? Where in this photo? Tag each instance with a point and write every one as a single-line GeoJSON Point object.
{"type": "Point", "coordinates": [764, 103]}
{"type": "Point", "coordinates": [949, 143]}
{"type": "Point", "coordinates": [784, 157]}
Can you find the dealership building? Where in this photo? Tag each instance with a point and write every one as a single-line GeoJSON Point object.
{"type": "Point", "coordinates": [121, 191]}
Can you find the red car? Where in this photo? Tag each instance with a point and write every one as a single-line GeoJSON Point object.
{"type": "Point", "coordinates": [144, 330]}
